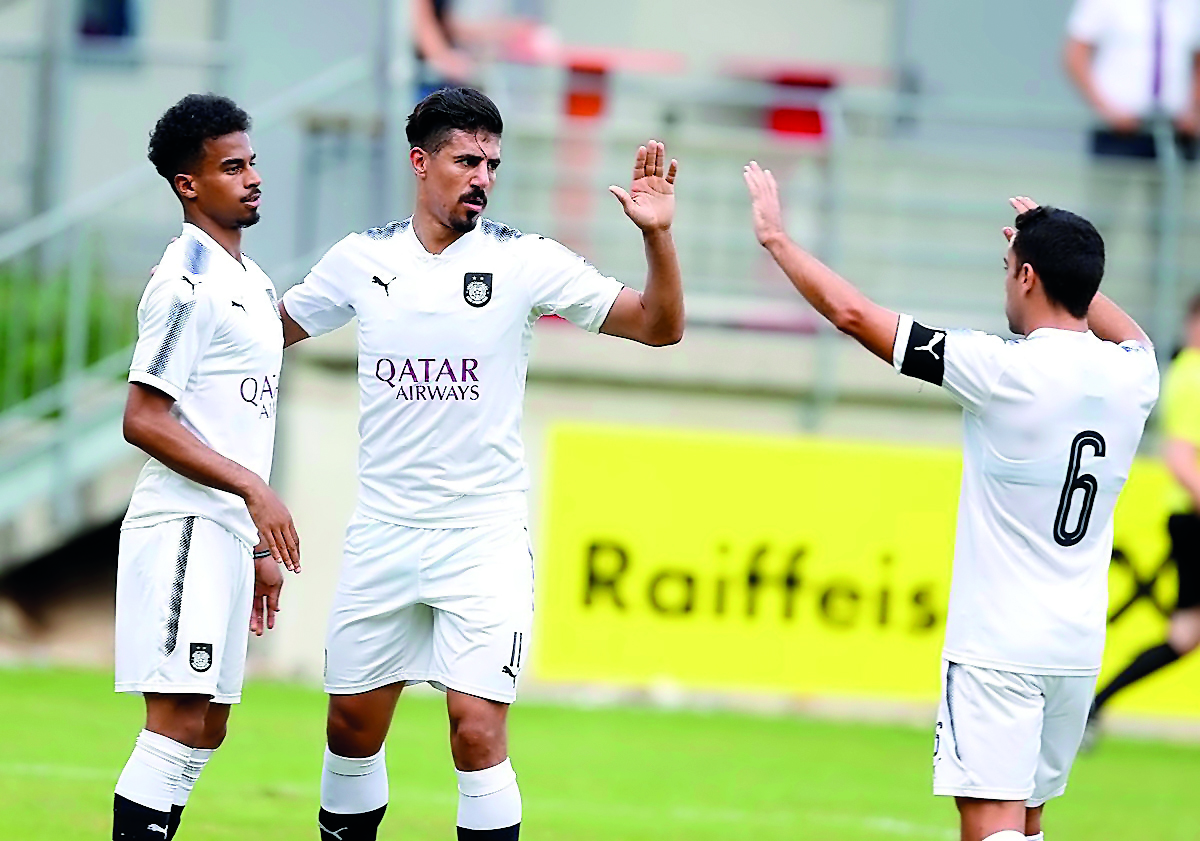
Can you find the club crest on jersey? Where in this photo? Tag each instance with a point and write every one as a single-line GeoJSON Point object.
{"type": "Point", "coordinates": [477, 288]}
{"type": "Point", "coordinates": [200, 656]}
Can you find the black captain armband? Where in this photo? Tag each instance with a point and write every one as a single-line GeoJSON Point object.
{"type": "Point", "coordinates": [925, 355]}
{"type": "Point", "coordinates": [259, 554]}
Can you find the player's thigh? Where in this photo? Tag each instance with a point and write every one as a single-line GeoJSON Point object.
{"type": "Point", "coordinates": [176, 586]}
{"type": "Point", "coordinates": [987, 734]}
{"type": "Point", "coordinates": [357, 725]}
{"type": "Point", "coordinates": [379, 633]}
{"type": "Point", "coordinates": [483, 599]}
{"type": "Point", "coordinates": [1068, 700]}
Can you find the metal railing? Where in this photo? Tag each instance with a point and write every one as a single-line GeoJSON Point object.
{"type": "Point", "coordinates": [905, 195]}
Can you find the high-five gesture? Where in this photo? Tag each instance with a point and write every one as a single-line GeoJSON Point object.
{"type": "Point", "coordinates": [764, 200]}
{"type": "Point", "coordinates": [650, 202]}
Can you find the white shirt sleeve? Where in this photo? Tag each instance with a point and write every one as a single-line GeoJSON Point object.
{"type": "Point", "coordinates": [1088, 20]}
{"type": "Point", "coordinates": [321, 302]}
{"type": "Point", "coordinates": [176, 323]}
{"type": "Point", "coordinates": [567, 285]}
{"type": "Point", "coordinates": [966, 363]}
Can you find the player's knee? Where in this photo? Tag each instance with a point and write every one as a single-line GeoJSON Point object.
{"type": "Point", "coordinates": [349, 733]}
{"type": "Point", "coordinates": [478, 742]}
{"type": "Point", "coordinates": [1184, 634]}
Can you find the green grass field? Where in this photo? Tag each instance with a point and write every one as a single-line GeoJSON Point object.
{"type": "Point", "coordinates": [602, 774]}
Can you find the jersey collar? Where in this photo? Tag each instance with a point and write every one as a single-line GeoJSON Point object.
{"type": "Point", "coordinates": [197, 233]}
{"type": "Point", "coordinates": [1056, 331]}
{"type": "Point", "coordinates": [460, 245]}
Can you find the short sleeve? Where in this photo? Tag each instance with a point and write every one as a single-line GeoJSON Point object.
{"type": "Point", "coordinates": [1088, 20]}
{"type": "Point", "coordinates": [320, 303]}
{"type": "Point", "coordinates": [1181, 403]}
{"type": "Point", "coordinates": [567, 285]}
{"type": "Point", "coordinates": [176, 323]}
{"type": "Point", "coordinates": [966, 363]}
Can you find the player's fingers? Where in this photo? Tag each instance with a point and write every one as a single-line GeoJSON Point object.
{"type": "Point", "coordinates": [295, 543]}
{"type": "Point", "coordinates": [639, 164]}
{"type": "Point", "coordinates": [651, 157]}
{"type": "Point", "coordinates": [672, 171]}
{"type": "Point", "coordinates": [660, 158]}
{"type": "Point", "coordinates": [284, 555]}
{"type": "Point", "coordinates": [272, 606]}
{"type": "Point", "coordinates": [269, 538]}
{"type": "Point", "coordinates": [1009, 233]}
{"type": "Point", "coordinates": [256, 617]}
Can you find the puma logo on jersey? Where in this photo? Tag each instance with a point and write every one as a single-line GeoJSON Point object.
{"type": "Point", "coordinates": [937, 337]}
{"type": "Point", "coordinates": [385, 286]}
{"type": "Point", "coordinates": [190, 282]}
{"type": "Point", "coordinates": [156, 828]}
{"type": "Point", "coordinates": [510, 673]}
{"type": "Point", "coordinates": [241, 307]}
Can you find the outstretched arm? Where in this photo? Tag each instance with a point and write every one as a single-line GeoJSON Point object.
{"type": "Point", "coordinates": [835, 298]}
{"type": "Point", "coordinates": [653, 317]}
{"type": "Point", "coordinates": [1108, 321]}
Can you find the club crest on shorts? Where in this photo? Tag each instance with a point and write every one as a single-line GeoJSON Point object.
{"type": "Point", "coordinates": [477, 288]}
{"type": "Point", "coordinates": [200, 656]}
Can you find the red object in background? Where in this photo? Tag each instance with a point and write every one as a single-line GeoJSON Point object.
{"type": "Point", "coordinates": [798, 120]}
{"type": "Point", "coordinates": [587, 90]}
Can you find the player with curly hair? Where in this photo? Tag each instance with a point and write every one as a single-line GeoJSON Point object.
{"type": "Point", "coordinates": [200, 543]}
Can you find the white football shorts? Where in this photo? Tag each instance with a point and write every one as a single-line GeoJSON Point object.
{"type": "Point", "coordinates": [449, 606]}
{"type": "Point", "coordinates": [184, 593]}
{"type": "Point", "coordinates": [1008, 736]}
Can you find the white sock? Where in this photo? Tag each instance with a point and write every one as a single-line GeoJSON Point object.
{"type": "Point", "coordinates": [489, 799]}
{"type": "Point", "coordinates": [154, 771]}
{"type": "Point", "coordinates": [352, 786]}
{"type": "Point", "coordinates": [1006, 835]}
{"type": "Point", "coordinates": [191, 773]}
{"type": "Point", "coordinates": [1041, 836]}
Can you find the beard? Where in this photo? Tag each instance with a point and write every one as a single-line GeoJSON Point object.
{"type": "Point", "coordinates": [251, 220]}
{"type": "Point", "coordinates": [464, 225]}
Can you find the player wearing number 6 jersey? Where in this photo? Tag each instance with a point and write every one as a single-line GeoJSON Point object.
{"type": "Point", "coordinates": [1051, 425]}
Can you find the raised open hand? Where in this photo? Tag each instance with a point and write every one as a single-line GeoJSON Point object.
{"type": "Point", "coordinates": [764, 200]}
{"type": "Point", "coordinates": [650, 202]}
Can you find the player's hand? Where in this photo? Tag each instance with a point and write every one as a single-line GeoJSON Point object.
{"type": "Point", "coordinates": [1021, 204]}
{"type": "Point", "coordinates": [274, 524]}
{"type": "Point", "coordinates": [650, 202]}
{"type": "Point", "coordinates": [764, 201]}
{"type": "Point", "coordinates": [268, 581]}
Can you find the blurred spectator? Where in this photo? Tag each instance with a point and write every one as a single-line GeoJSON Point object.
{"type": "Point", "coordinates": [1134, 60]}
{"type": "Point", "coordinates": [449, 48]}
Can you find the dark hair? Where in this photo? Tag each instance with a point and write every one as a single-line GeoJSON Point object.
{"type": "Point", "coordinates": [1067, 253]}
{"type": "Point", "coordinates": [464, 109]}
{"type": "Point", "coordinates": [177, 142]}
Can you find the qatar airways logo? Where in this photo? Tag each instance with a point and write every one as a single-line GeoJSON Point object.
{"type": "Point", "coordinates": [262, 393]}
{"type": "Point", "coordinates": [430, 378]}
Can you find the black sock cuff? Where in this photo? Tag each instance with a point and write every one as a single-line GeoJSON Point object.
{"type": "Point", "coordinates": [131, 820]}
{"type": "Point", "coordinates": [508, 833]}
{"type": "Point", "coordinates": [363, 826]}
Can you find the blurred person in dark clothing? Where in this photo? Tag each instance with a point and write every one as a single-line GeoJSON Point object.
{"type": "Point", "coordinates": [449, 48]}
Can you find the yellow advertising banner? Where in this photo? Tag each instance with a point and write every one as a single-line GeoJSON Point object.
{"type": "Point", "coordinates": [801, 566]}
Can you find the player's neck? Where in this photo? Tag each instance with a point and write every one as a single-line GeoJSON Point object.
{"type": "Point", "coordinates": [432, 234]}
{"type": "Point", "coordinates": [1057, 320]}
{"type": "Point", "coordinates": [228, 238]}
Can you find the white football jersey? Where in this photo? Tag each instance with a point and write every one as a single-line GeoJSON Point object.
{"type": "Point", "coordinates": [443, 347]}
{"type": "Point", "coordinates": [1051, 426]}
{"type": "Point", "coordinates": [209, 336]}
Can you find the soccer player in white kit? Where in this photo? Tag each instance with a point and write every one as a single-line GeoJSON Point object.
{"type": "Point", "coordinates": [197, 565]}
{"type": "Point", "coordinates": [1051, 425]}
{"type": "Point", "coordinates": [437, 577]}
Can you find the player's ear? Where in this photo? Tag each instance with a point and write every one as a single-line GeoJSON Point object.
{"type": "Point", "coordinates": [1026, 277]}
{"type": "Point", "coordinates": [185, 185]}
{"type": "Point", "coordinates": [419, 159]}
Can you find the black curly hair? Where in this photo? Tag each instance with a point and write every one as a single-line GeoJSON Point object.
{"type": "Point", "coordinates": [177, 142]}
{"type": "Point", "coordinates": [440, 113]}
{"type": "Point", "coordinates": [1066, 251]}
